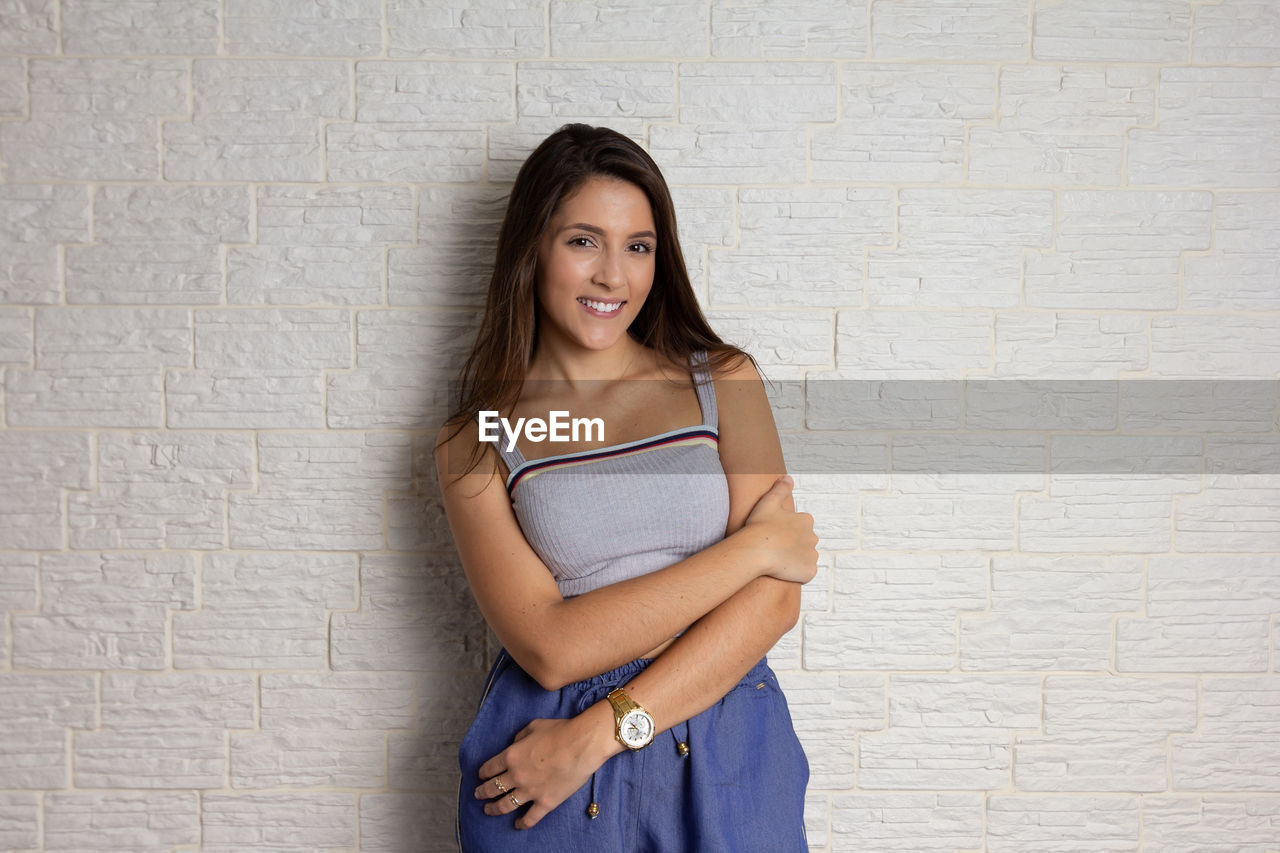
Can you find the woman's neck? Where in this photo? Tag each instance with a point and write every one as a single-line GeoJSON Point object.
{"type": "Point", "coordinates": [575, 365]}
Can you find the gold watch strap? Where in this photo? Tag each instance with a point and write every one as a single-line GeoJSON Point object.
{"type": "Point", "coordinates": [622, 703]}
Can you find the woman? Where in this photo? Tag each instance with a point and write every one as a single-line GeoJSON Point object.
{"type": "Point", "coordinates": [635, 586]}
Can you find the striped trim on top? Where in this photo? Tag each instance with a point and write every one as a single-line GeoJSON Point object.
{"type": "Point", "coordinates": [690, 435]}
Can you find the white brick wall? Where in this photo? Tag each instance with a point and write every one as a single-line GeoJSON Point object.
{"type": "Point", "coordinates": [242, 246]}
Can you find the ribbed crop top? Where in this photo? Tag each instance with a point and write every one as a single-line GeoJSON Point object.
{"type": "Point", "coordinates": [600, 516]}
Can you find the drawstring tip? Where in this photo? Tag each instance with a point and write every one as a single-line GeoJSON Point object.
{"type": "Point", "coordinates": [593, 811]}
{"type": "Point", "coordinates": [682, 748]}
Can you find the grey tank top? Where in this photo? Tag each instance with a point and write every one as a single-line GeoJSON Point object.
{"type": "Point", "coordinates": [600, 516]}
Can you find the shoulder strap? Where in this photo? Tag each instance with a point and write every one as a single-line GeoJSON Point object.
{"type": "Point", "coordinates": [703, 384]}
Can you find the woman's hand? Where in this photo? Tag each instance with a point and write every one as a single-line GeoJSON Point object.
{"type": "Point", "coordinates": [785, 538]}
{"type": "Point", "coordinates": [547, 762]}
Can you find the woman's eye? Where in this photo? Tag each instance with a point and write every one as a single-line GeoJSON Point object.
{"type": "Point", "coordinates": [580, 241]}
{"type": "Point", "coordinates": [642, 247]}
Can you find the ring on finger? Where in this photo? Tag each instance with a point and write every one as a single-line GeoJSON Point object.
{"type": "Point", "coordinates": [514, 801]}
{"type": "Point", "coordinates": [497, 781]}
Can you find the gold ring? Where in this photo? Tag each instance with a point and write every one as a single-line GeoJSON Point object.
{"type": "Point", "coordinates": [514, 801]}
{"type": "Point", "coordinates": [497, 780]}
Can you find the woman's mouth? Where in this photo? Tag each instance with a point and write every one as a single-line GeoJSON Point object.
{"type": "Point", "coordinates": [601, 308]}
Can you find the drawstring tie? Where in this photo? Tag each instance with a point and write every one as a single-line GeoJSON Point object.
{"type": "Point", "coordinates": [593, 695]}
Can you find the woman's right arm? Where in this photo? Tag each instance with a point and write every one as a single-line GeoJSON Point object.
{"type": "Point", "coordinates": [558, 640]}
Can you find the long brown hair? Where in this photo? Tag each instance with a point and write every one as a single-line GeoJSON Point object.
{"type": "Point", "coordinates": [670, 322]}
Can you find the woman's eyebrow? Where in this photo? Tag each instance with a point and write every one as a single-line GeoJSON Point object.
{"type": "Point", "coordinates": [594, 230]}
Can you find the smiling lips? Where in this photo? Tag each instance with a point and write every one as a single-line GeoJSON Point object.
{"type": "Point", "coordinates": [599, 308]}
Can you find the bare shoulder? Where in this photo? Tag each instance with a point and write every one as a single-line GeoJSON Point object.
{"type": "Point", "coordinates": [457, 447]}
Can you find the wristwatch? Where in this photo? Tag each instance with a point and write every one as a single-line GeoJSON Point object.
{"type": "Point", "coordinates": [634, 725]}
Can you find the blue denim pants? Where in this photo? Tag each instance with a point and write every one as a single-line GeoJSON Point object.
{"type": "Point", "coordinates": [739, 789]}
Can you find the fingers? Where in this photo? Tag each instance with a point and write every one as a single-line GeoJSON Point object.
{"type": "Point", "coordinates": [535, 813]}
{"type": "Point", "coordinates": [499, 786]}
{"type": "Point", "coordinates": [505, 804]}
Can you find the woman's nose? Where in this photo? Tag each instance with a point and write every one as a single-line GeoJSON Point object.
{"type": "Point", "coordinates": [609, 270]}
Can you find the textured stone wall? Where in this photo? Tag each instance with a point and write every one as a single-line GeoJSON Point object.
{"type": "Point", "coordinates": [242, 247]}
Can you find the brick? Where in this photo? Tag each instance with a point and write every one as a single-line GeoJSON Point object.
{"type": "Point", "coordinates": [403, 152]}
{"type": "Point", "coordinates": [903, 345]}
{"type": "Point", "coordinates": [1061, 125]}
{"type": "Point", "coordinates": [400, 381]}
{"type": "Point", "coordinates": [320, 245]}
{"type": "Point", "coordinates": [106, 611]}
{"type": "Point", "coordinates": [842, 400]}
{"type": "Point", "coordinates": [296, 28]}
{"type": "Point", "coordinates": [141, 821]}
{"type": "Point", "coordinates": [726, 93]}
{"type": "Point", "coordinates": [950, 732]}
{"type": "Point", "coordinates": [959, 247]}
{"type": "Point", "coordinates": [1208, 823]}
{"type": "Point", "coordinates": [1045, 345]}
{"type": "Point", "coordinates": [139, 26]}
{"type": "Point", "coordinates": [798, 29]}
{"type": "Point", "coordinates": [452, 259]}
{"type": "Point", "coordinates": [264, 611]}
{"type": "Point", "coordinates": [1238, 273]}
{"type": "Point", "coordinates": [1052, 404]}
{"type": "Point", "coordinates": [883, 137]}
{"type": "Point", "coordinates": [94, 119]}
{"type": "Point", "coordinates": [18, 581]}
{"type": "Point", "coordinates": [112, 338]}
{"type": "Point", "coordinates": [19, 820]}
{"type": "Point", "coordinates": [1238, 743]}
{"type": "Point", "coordinates": [800, 246]}
{"type": "Point", "coordinates": [828, 707]}
{"type": "Point", "coordinates": [729, 154]}
{"type": "Point", "coordinates": [894, 612]}
{"type": "Point", "coordinates": [573, 91]}
{"type": "Point", "coordinates": [1216, 129]}
{"type": "Point", "coordinates": [30, 26]}
{"type": "Point", "coordinates": [294, 821]}
{"type": "Point", "coordinates": [1234, 512]}
{"type": "Point", "coordinates": [35, 467]}
{"type": "Point", "coordinates": [1048, 824]}
{"type": "Point", "coordinates": [427, 758]}
{"type": "Point", "coordinates": [298, 757]}
{"type": "Point", "coordinates": [84, 397]}
{"type": "Point", "coordinates": [16, 336]}
{"type": "Point", "coordinates": [161, 490]}
{"type": "Point", "coordinates": [416, 521]}
{"type": "Point", "coordinates": [256, 120]}
{"type": "Point", "coordinates": [424, 822]}
{"type": "Point", "coordinates": [167, 701]}
{"type": "Point", "coordinates": [35, 711]}
{"type": "Point", "coordinates": [320, 490]}
{"type": "Point", "coordinates": [412, 617]}
{"type": "Point", "coordinates": [918, 29]}
{"type": "Point", "coordinates": [157, 245]}
{"type": "Point", "coordinates": [1240, 32]}
{"type": "Point", "coordinates": [1203, 614]}
{"type": "Point", "coordinates": [13, 87]}
{"type": "Point", "coordinates": [898, 822]}
{"type": "Point", "coordinates": [1104, 734]}
{"type": "Point", "coordinates": [34, 219]}
{"type": "Point", "coordinates": [1235, 407]}
{"type": "Point", "coordinates": [705, 220]}
{"type": "Point", "coordinates": [272, 338]}
{"type": "Point", "coordinates": [627, 28]}
{"type": "Point", "coordinates": [244, 398]}
{"type": "Point", "coordinates": [1214, 347]}
{"type": "Point", "coordinates": [434, 92]}
{"type": "Point", "coordinates": [1119, 249]}
{"type": "Point", "coordinates": [484, 29]}
{"type": "Point", "coordinates": [1050, 613]}
{"type": "Point", "coordinates": [358, 701]}
{"type": "Point", "coordinates": [151, 758]}
{"type": "Point", "coordinates": [778, 340]}
{"type": "Point", "coordinates": [1092, 30]}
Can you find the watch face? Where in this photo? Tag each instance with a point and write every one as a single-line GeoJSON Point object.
{"type": "Point", "coordinates": [636, 729]}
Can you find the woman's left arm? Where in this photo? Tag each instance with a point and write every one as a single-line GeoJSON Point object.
{"type": "Point", "coordinates": [551, 758]}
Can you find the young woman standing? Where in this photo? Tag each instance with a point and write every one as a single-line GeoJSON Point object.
{"type": "Point", "coordinates": [635, 586]}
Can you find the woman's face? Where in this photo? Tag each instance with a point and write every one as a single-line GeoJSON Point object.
{"type": "Point", "coordinates": [596, 263]}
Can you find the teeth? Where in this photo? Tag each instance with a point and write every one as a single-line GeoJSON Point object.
{"type": "Point", "coordinates": [601, 306]}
